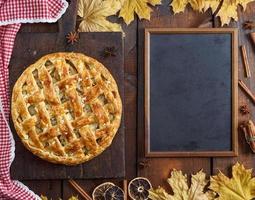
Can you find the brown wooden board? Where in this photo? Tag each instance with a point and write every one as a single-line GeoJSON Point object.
{"type": "Point", "coordinates": [157, 169]}
{"type": "Point", "coordinates": [28, 48]}
{"type": "Point", "coordinates": [49, 188]}
{"type": "Point", "coordinates": [246, 156]}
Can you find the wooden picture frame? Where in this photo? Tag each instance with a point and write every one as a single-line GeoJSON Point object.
{"type": "Point", "coordinates": [234, 92]}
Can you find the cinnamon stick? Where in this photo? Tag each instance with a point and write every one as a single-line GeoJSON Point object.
{"type": "Point", "coordinates": [246, 62]}
{"type": "Point", "coordinates": [125, 189]}
{"type": "Point", "coordinates": [246, 90]}
{"type": "Point", "coordinates": [80, 190]}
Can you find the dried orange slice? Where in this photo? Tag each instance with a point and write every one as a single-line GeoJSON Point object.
{"type": "Point", "coordinates": [114, 193]}
{"type": "Point", "coordinates": [138, 188]}
{"type": "Point", "coordinates": [99, 191]}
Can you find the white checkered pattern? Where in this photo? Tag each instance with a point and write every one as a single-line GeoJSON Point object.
{"type": "Point", "coordinates": [30, 11]}
{"type": "Point", "coordinates": [12, 13]}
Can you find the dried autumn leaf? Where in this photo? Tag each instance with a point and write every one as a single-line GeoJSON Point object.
{"type": "Point", "coordinates": [94, 14]}
{"type": "Point", "coordinates": [240, 187]}
{"type": "Point", "coordinates": [159, 194]}
{"type": "Point", "coordinates": [73, 198]}
{"type": "Point", "coordinates": [44, 197]}
{"type": "Point", "coordinates": [213, 4]}
{"type": "Point", "coordinates": [198, 5]}
{"type": "Point", "coordinates": [181, 190]}
{"type": "Point", "coordinates": [140, 7]}
{"type": "Point", "coordinates": [227, 11]}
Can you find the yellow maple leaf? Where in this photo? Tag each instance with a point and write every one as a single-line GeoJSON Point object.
{"type": "Point", "coordinates": [181, 190]}
{"type": "Point", "coordinates": [210, 4]}
{"type": "Point", "coordinates": [227, 11]}
{"type": "Point", "coordinates": [73, 198]}
{"type": "Point", "coordinates": [140, 7]}
{"type": "Point", "coordinates": [198, 5]}
{"type": "Point", "coordinates": [179, 5]}
{"type": "Point", "coordinates": [159, 194]}
{"type": "Point", "coordinates": [94, 14]}
{"type": "Point", "coordinates": [240, 187]}
{"type": "Point", "coordinates": [44, 197]}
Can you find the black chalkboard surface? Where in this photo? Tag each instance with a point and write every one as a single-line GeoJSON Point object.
{"type": "Point", "coordinates": [190, 92]}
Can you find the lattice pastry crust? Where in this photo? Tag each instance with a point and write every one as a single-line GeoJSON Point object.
{"type": "Point", "coordinates": [66, 108]}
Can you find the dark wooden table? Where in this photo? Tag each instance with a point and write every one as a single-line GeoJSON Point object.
{"type": "Point", "coordinates": [157, 169]}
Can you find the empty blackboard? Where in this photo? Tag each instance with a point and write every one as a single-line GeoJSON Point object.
{"type": "Point", "coordinates": [190, 92]}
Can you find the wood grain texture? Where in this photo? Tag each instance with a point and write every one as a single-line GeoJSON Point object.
{"type": "Point", "coordinates": [245, 154]}
{"type": "Point", "coordinates": [27, 50]}
{"type": "Point", "coordinates": [158, 169]}
{"type": "Point", "coordinates": [67, 22]}
{"type": "Point", "coordinates": [130, 87]}
{"type": "Point", "coordinates": [49, 188]}
{"type": "Point", "coordinates": [39, 28]}
{"type": "Point", "coordinates": [130, 101]}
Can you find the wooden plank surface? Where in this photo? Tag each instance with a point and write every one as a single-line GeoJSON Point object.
{"type": "Point", "coordinates": [130, 101]}
{"type": "Point", "coordinates": [130, 87]}
{"type": "Point", "coordinates": [27, 49]}
{"type": "Point", "coordinates": [158, 169]}
{"type": "Point", "coordinates": [245, 154]}
{"type": "Point", "coordinates": [49, 188]}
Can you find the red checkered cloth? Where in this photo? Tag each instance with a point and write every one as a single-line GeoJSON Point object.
{"type": "Point", "coordinates": [12, 14]}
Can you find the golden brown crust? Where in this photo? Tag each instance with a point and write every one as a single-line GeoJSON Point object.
{"type": "Point", "coordinates": [66, 108]}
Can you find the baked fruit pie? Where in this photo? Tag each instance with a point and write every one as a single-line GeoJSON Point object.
{"type": "Point", "coordinates": [66, 108]}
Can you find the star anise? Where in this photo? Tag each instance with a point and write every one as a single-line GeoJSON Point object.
{"type": "Point", "coordinates": [109, 52]}
{"type": "Point", "coordinates": [249, 25]}
{"type": "Point", "coordinates": [244, 110]}
{"type": "Point", "coordinates": [72, 37]}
